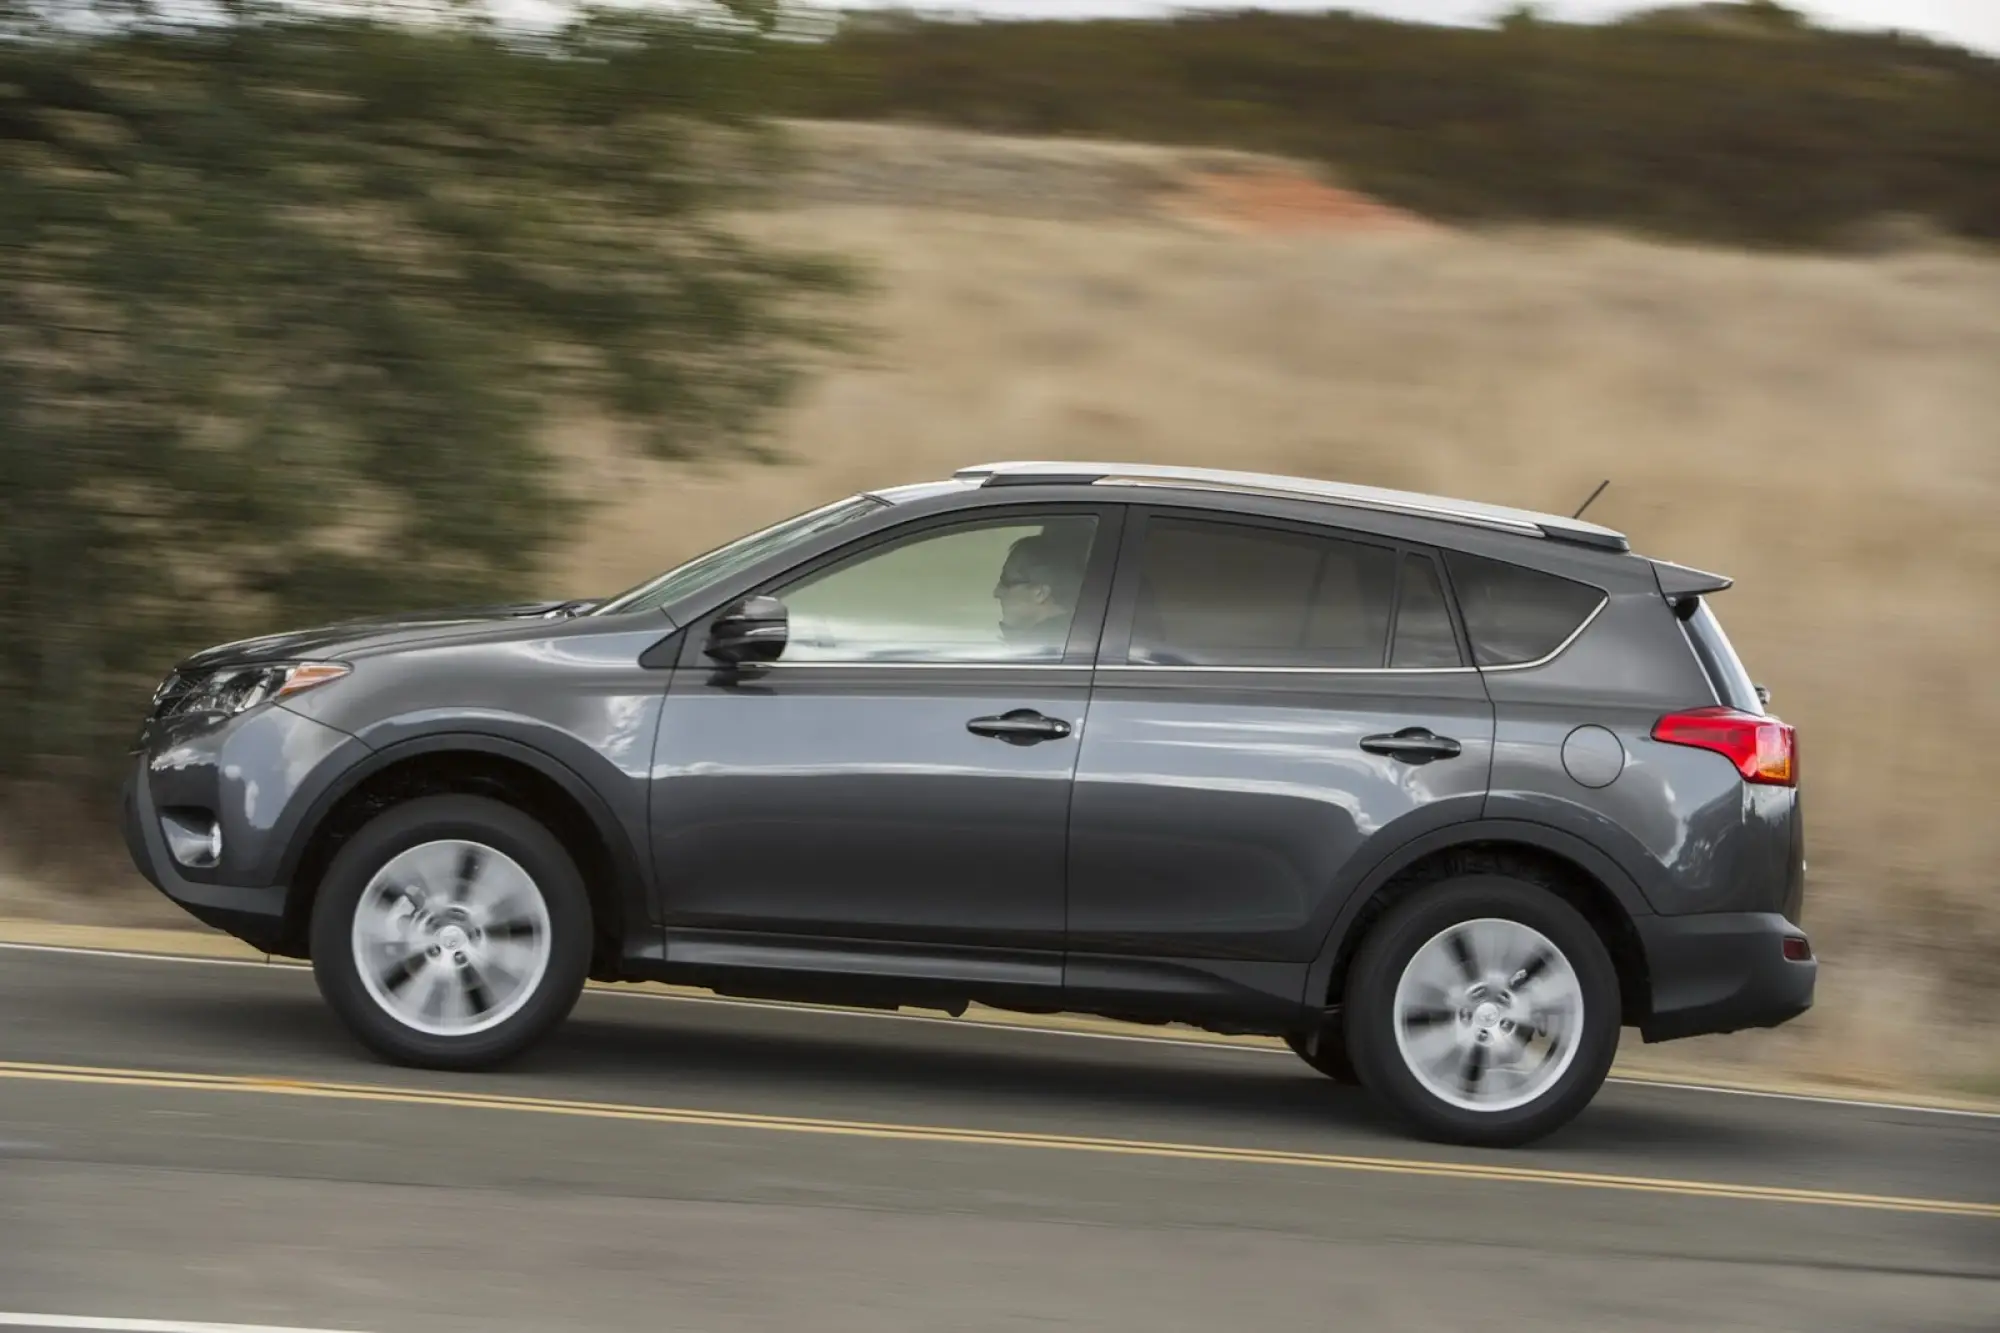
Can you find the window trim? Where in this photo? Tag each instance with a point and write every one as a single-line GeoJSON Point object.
{"type": "Point", "coordinates": [1085, 632]}
{"type": "Point", "coordinates": [1116, 638]}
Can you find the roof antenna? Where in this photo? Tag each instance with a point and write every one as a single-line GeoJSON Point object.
{"type": "Point", "coordinates": [1593, 498]}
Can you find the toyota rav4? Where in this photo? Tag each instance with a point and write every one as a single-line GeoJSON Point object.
{"type": "Point", "coordinates": [1442, 794]}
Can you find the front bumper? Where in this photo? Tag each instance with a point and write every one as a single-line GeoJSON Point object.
{"type": "Point", "coordinates": [1722, 972]}
{"type": "Point", "coordinates": [254, 915]}
{"type": "Point", "coordinates": [254, 780]}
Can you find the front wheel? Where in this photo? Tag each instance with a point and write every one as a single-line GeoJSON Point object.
{"type": "Point", "coordinates": [1483, 1010]}
{"type": "Point", "coordinates": [451, 932]}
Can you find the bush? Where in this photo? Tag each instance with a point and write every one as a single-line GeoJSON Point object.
{"type": "Point", "coordinates": [283, 303]}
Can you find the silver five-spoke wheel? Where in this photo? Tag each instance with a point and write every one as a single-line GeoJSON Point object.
{"type": "Point", "coordinates": [451, 937]}
{"type": "Point", "coordinates": [1487, 1014]}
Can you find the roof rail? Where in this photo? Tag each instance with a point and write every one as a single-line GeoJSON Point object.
{"type": "Point", "coordinates": [1552, 526]}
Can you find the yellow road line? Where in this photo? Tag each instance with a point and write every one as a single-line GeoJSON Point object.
{"type": "Point", "coordinates": [669, 1115]}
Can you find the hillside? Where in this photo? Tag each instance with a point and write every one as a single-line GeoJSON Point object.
{"type": "Point", "coordinates": [1827, 430]}
{"type": "Point", "coordinates": [1741, 122]}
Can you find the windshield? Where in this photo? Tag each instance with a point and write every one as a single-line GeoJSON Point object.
{"type": "Point", "coordinates": [740, 554]}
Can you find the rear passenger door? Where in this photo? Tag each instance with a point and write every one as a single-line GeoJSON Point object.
{"type": "Point", "coordinates": [1270, 698]}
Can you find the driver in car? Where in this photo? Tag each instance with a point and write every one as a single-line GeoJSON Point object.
{"type": "Point", "coordinates": [1037, 592]}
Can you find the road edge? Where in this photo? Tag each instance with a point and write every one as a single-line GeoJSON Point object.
{"type": "Point", "coordinates": [213, 946]}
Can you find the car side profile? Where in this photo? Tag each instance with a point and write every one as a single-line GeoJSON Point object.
{"type": "Point", "coordinates": [1443, 794]}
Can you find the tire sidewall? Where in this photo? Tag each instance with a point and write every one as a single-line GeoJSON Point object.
{"type": "Point", "coordinates": [1370, 1003]}
{"type": "Point", "coordinates": [429, 819]}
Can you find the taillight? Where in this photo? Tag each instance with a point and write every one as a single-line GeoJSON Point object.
{"type": "Point", "coordinates": [1762, 748]}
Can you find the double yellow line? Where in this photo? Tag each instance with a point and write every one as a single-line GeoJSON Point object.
{"type": "Point", "coordinates": [737, 1120]}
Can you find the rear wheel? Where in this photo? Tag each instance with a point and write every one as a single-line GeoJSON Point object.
{"type": "Point", "coordinates": [1483, 1010]}
{"type": "Point", "coordinates": [451, 932]}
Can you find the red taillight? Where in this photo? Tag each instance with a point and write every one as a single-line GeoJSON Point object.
{"type": "Point", "coordinates": [1762, 748]}
{"type": "Point", "coordinates": [1797, 949]}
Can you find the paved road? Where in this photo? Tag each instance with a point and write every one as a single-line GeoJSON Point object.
{"type": "Point", "coordinates": [185, 1141]}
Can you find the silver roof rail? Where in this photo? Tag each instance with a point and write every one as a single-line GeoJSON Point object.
{"type": "Point", "coordinates": [1524, 521]}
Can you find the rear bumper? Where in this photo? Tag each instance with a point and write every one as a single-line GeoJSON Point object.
{"type": "Point", "coordinates": [1722, 972]}
{"type": "Point", "coordinates": [254, 915]}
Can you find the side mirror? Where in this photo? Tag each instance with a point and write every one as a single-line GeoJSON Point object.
{"type": "Point", "coordinates": [753, 630]}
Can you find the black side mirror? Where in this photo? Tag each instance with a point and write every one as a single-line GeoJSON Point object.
{"type": "Point", "coordinates": [753, 630]}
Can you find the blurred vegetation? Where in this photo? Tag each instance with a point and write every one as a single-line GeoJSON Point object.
{"type": "Point", "coordinates": [283, 304]}
{"type": "Point", "coordinates": [289, 299]}
{"type": "Point", "coordinates": [1739, 123]}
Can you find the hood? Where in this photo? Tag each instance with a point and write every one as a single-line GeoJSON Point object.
{"type": "Point", "coordinates": [351, 636]}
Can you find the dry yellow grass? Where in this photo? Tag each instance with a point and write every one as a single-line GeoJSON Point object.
{"type": "Point", "coordinates": [1827, 430]}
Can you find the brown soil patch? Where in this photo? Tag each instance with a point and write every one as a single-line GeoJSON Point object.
{"type": "Point", "coordinates": [1275, 200]}
{"type": "Point", "coordinates": [1074, 180]}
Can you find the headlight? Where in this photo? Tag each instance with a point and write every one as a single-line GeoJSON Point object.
{"type": "Point", "coordinates": [233, 690]}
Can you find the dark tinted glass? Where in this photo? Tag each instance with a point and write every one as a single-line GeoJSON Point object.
{"type": "Point", "coordinates": [1514, 614]}
{"type": "Point", "coordinates": [1220, 594]}
{"type": "Point", "coordinates": [1424, 636]}
{"type": "Point", "coordinates": [1718, 658]}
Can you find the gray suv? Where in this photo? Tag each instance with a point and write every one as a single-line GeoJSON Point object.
{"type": "Point", "coordinates": [1442, 794]}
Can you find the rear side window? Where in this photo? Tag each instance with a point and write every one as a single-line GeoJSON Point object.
{"type": "Point", "coordinates": [1424, 637]}
{"type": "Point", "coordinates": [1226, 594]}
{"type": "Point", "coordinates": [1513, 614]}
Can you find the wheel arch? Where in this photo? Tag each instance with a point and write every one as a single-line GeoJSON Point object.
{"type": "Point", "coordinates": [473, 763]}
{"type": "Point", "coordinates": [1561, 863]}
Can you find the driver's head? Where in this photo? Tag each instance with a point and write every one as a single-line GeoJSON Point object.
{"type": "Point", "coordinates": [1038, 583]}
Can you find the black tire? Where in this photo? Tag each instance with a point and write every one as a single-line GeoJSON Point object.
{"type": "Point", "coordinates": [1394, 942]}
{"type": "Point", "coordinates": [1326, 1051]}
{"type": "Point", "coordinates": [494, 825]}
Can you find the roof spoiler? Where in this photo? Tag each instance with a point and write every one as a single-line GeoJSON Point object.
{"type": "Point", "coordinates": [1682, 587]}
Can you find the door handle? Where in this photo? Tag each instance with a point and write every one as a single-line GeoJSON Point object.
{"type": "Point", "coordinates": [1414, 745]}
{"type": "Point", "coordinates": [1020, 726]}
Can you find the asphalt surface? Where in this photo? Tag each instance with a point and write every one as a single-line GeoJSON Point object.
{"type": "Point", "coordinates": [201, 1142]}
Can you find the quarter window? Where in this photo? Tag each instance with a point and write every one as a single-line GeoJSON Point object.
{"type": "Point", "coordinates": [1513, 614]}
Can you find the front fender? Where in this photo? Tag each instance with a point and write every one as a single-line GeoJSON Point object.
{"type": "Point", "coordinates": [563, 760]}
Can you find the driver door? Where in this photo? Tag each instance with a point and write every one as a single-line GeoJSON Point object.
{"type": "Point", "coordinates": [893, 790]}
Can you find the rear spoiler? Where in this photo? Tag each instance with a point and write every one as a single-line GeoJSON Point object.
{"type": "Point", "coordinates": [1683, 587]}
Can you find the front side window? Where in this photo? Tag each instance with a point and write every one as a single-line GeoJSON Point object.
{"type": "Point", "coordinates": [1000, 591]}
{"type": "Point", "coordinates": [1225, 594]}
